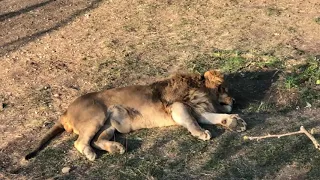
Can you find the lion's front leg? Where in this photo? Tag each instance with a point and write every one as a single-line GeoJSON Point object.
{"type": "Point", "coordinates": [230, 121]}
{"type": "Point", "coordinates": [181, 115]}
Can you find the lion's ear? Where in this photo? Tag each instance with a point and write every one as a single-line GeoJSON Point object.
{"type": "Point", "coordinates": [213, 78]}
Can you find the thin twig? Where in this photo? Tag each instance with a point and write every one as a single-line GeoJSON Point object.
{"type": "Point", "coordinates": [260, 106]}
{"type": "Point", "coordinates": [272, 136]}
{"type": "Point", "coordinates": [314, 141]}
{"type": "Point", "coordinates": [302, 131]}
{"type": "Point", "coordinates": [275, 73]}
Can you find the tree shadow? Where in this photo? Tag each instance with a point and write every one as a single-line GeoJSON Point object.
{"type": "Point", "coordinates": [23, 10]}
{"type": "Point", "coordinates": [32, 27]}
{"type": "Point", "coordinates": [250, 86]}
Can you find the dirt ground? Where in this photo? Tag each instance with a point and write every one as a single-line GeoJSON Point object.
{"type": "Point", "coordinates": [52, 51]}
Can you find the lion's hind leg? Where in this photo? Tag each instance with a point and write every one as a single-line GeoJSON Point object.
{"type": "Point", "coordinates": [181, 115]}
{"type": "Point", "coordinates": [119, 120]}
{"type": "Point", "coordinates": [87, 132]}
{"type": "Point", "coordinates": [82, 144]}
{"type": "Point", "coordinates": [87, 125]}
{"type": "Point", "coordinates": [102, 142]}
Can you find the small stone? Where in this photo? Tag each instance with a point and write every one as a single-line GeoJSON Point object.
{"type": "Point", "coordinates": [308, 105]}
{"type": "Point", "coordinates": [56, 95]}
{"type": "Point", "coordinates": [66, 170]}
{"type": "Point", "coordinates": [45, 124]}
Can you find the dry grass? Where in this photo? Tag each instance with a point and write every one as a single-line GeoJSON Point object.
{"type": "Point", "coordinates": [53, 51]}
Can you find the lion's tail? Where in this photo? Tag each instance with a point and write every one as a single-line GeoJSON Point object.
{"type": "Point", "coordinates": [53, 132]}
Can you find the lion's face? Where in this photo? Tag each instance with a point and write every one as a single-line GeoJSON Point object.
{"type": "Point", "coordinates": [224, 99]}
{"type": "Point", "coordinates": [214, 81]}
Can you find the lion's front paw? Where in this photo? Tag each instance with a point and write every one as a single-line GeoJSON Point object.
{"type": "Point", "coordinates": [235, 123]}
{"type": "Point", "coordinates": [117, 148]}
{"type": "Point", "coordinates": [205, 135]}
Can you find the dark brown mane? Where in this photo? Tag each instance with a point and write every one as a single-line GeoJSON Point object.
{"type": "Point", "coordinates": [179, 86]}
{"type": "Point", "coordinates": [183, 88]}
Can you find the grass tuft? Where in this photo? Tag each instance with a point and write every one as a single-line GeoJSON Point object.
{"type": "Point", "coordinates": [272, 11]}
{"type": "Point", "coordinates": [317, 20]}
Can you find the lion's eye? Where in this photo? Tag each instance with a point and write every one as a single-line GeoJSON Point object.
{"type": "Point", "coordinates": [221, 89]}
{"type": "Point", "coordinates": [223, 104]}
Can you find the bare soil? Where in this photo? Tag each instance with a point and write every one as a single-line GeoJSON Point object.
{"type": "Point", "coordinates": [52, 51]}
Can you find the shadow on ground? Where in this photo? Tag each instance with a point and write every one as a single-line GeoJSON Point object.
{"type": "Point", "coordinates": [250, 86]}
{"type": "Point", "coordinates": [21, 26]}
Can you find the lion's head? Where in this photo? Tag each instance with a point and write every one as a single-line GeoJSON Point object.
{"type": "Point", "coordinates": [215, 82]}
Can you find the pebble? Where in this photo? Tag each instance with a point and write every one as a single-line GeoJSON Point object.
{"type": "Point", "coordinates": [66, 170]}
{"type": "Point", "coordinates": [308, 105]}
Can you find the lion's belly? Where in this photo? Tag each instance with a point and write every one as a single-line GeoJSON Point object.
{"type": "Point", "coordinates": [147, 111]}
{"type": "Point", "coordinates": [154, 117]}
{"type": "Point", "coordinates": [150, 117]}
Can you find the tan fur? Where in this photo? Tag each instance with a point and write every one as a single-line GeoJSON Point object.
{"type": "Point", "coordinates": [183, 99]}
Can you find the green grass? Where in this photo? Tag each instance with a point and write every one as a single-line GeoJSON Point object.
{"type": "Point", "coordinates": [227, 61]}
{"type": "Point", "coordinates": [271, 62]}
{"type": "Point", "coordinates": [317, 20]}
{"type": "Point", "coordinates": [233, 64]}
{"type": "Point", "coordinates": [291, 82]}
{"type": "Point", "coordinates": [230, 61]}
{"type": "Point", "coordinates": [304, 79]}
{"type": "Point", "coordinates": [310, 95]}
{"type": "Point", "coordinates": [233, 61]}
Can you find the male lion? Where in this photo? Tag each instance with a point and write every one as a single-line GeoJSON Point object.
{"type": "Point", "coordinates": [183, 99]}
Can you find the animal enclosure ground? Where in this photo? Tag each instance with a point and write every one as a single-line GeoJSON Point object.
{"type": "Point", "coordinates": [52, 51]}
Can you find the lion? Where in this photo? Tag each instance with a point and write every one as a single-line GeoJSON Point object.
{"type": "Point", "coordinates": [182, 99]}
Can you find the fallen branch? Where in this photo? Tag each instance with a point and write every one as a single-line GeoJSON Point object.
{"type": "Point", "coordinates": [302, 131]}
